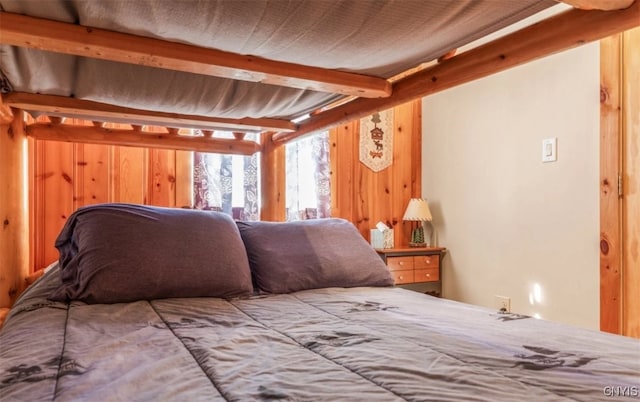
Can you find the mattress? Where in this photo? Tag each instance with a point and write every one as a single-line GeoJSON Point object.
{"type": "Point", "coordinates": [329, 344]}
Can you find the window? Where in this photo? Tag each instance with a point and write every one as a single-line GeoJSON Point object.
{"type": "Point", "coordinates": [227, 183]}
{"type": "Point", "coordinates": [308, 193]}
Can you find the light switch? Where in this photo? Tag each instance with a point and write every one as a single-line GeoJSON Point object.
{"type": "Point", "coordinates": [549, 147]}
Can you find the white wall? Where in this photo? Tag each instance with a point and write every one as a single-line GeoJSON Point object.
{"type": "Point", "coordinates": [512, 223]}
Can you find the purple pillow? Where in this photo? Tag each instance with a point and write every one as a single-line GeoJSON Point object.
{"type": "Point", "coordinates": [112, 253]}
{"type": "Point", "coordinates": [318, 253]}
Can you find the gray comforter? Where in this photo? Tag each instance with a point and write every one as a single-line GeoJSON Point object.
{"type": "Point", "coordinates": [359, 344]}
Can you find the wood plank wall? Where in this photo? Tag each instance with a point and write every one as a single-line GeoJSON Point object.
{"type": "Point", "coordinates": [67, 176]}
{"type": "Point", "coordinates": [365, 197]}
{"type": "Point", "coordinates": [620, 160]}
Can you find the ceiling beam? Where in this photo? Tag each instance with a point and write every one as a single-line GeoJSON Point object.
{"type": "Point", "coordinates": [605, 5]}
{"type": "Point", "coordinates": [560, 32]}
{"type": "Point", "coordinates": [136, 138]}
{"type": "Point", "coordinates": [95, 111]}
{"type": "Point", "coordinates": [61, 37]}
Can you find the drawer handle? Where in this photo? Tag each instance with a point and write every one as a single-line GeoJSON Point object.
{"type": "Point", "coordinates": [401, 277]}
{"type": "Point", "coordinates": [401, 263]}
{"type": "Point", "coordinates": [428, 260]}
{"type": "Point", "coordinates": [428, 275]}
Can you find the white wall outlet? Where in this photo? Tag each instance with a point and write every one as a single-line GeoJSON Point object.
{"type": "Point", "coordinates": [549, 149]}
{"type": "Point", "coordinates": [503, 304]}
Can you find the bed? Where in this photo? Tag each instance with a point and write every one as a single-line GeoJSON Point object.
{"type": "Point", "coordinates": [147, 320]}
{"type": "Point", "coordinates": [235, 316]}
{"type": "Point", "coordinates": [170, 75]}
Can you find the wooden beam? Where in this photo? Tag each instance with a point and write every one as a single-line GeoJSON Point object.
{"type": "Point", "coordinates": [61, 37]}
{"type": "Point", "coordinates": [89, 110]}
{"type": "Point", "coordinates": [605, 5]}
{"type": "Point", "coordinates": [563, 31]}
{"type": "Point", "coordinates": [14, 209]}
{"type": "Point", "coordinates": [132, 138]}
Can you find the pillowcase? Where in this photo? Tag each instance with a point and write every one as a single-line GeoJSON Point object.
{"type": "Point", "coordinates": [113, 253]}
{"type": "Point", "coordinates": [290, 256]}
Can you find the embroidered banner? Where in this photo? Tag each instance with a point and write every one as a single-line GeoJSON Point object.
{"type": "Point", "coordinates": [376, 140]}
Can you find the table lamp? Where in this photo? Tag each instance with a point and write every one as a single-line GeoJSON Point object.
{"type": "Point", "coordinates": [417, 211]}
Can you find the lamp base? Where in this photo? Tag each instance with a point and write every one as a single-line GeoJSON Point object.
{"type": "Point", "coordinates": [417, 237]}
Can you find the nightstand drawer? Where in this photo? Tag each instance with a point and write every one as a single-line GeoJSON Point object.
{"type": "Point", "coordinates": [426, 261]}
{"type": "Point", "coordinates": [404, 276]}
{"type": "Point", "coordinates": [427, 275]}
{"type": "Point", "coordinates": [415, 268]}
{"type": "Point", "coordinates": [400, 263]}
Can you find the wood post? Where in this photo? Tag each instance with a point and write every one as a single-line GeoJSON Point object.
{"type": "Point", "coordinates": [620, 184]}
{"type": "Point", "coordinates": [272, 181]}
{"type": "Point", "coordinates": [631, 183]}
{"type": "Point", "coordinates": [14, 208]}
{"type": "Point", "coordinates": [610, 212]}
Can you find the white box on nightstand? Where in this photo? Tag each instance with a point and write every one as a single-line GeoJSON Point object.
{"type": "Point", "coordinates": [382, 239]}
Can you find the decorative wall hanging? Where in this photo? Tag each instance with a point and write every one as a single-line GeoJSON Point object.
{"type": "Point", "coordinates": [376, 140]}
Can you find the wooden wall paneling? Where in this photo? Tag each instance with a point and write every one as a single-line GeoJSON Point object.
{"type": "Point", "coordinates": [360, 207]}
{"type": "Point", "coordinates": [162, 174]}
{"type": "Point", "coordinates": [92, 174]}
{"type": "Point", "coordinates": [386, 199]}
{"type": "Point", "coordinates": [36, 199]}
{"type": "Point", "coordinates": [416, 160]}
{"type": "Point", "coordinates": [272, 181]}
{"type": "Point", "coordinates": [37, 204]}
{"type": "Point", "coordinates": [416, 147]}
{"type": "Point", "coordinates": [129, 177]}
{"type": "Point", "coordinates": [56, 173]}
{"type": "Point", "coordinates": [365, 197]}
{"type": "Point", "coordinates": [400, 192]}
{"type": "Point", "coordinates": [379, 191]}
{"type": "Point", "coordinates": [610, 207]}
{"type": "Point", "coordinates": [407, 153]}
{"type": "Point", "coordinates": [342, 164]}
{"type": "Point", "coordinates": [184, 179]}
{"type": "Point", "coordinates": [32, 196]}
{"type": "Point", "coordinates": [162, 177]}
{"type": "Point", "coordinates": [14, 214]}
{"type": "Point", "coordinates": [363, 189]}
{"type": "Point", "coordinates": [380, 199]}
{"type": "Point", "coordinates": [631, 179]}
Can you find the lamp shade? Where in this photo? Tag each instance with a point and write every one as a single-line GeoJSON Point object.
{"type": "Point", "coordinates": [417, 210]}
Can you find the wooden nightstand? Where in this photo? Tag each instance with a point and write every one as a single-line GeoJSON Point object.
{"type": "Point", "coordinates": [411, 266]}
